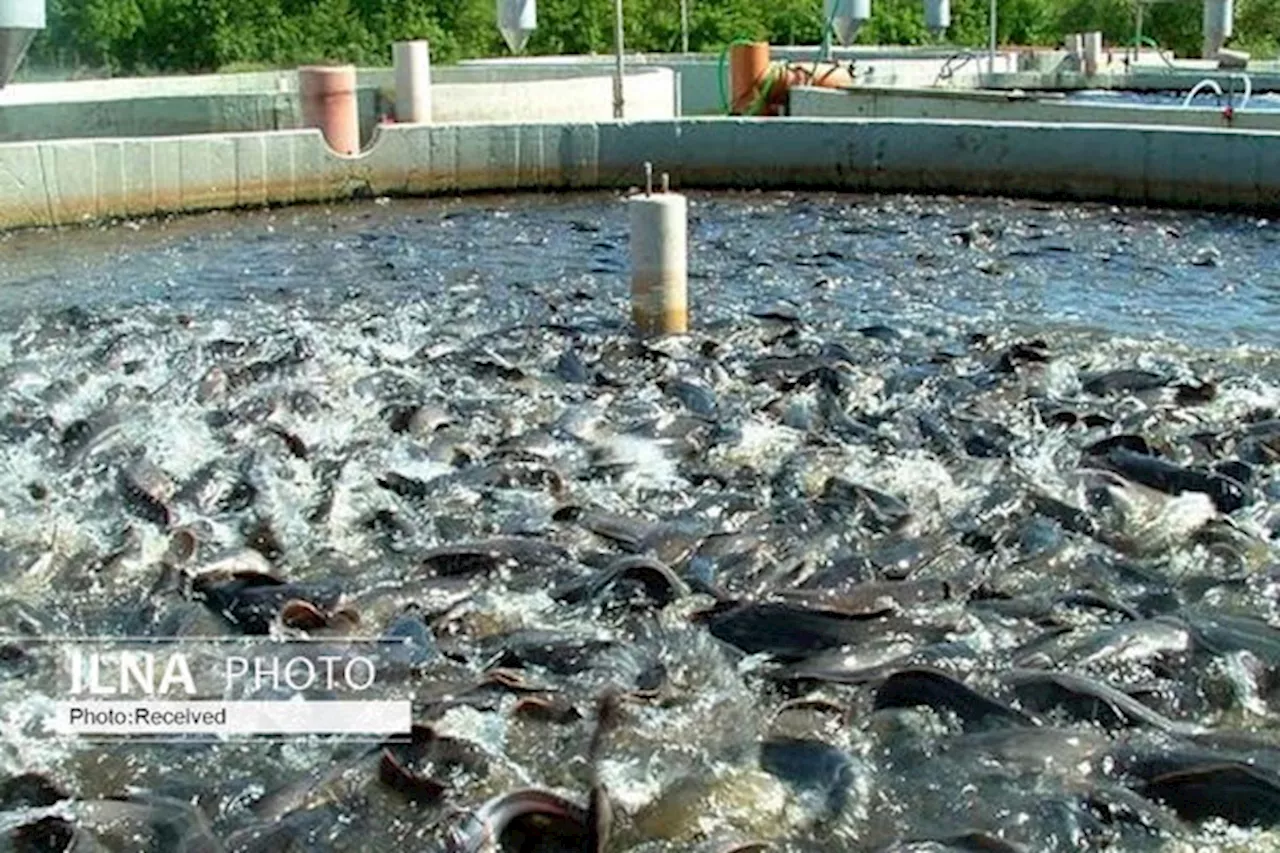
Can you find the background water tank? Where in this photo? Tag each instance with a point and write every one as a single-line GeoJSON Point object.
{"type": "Point", "coordinates": [517, 19]}
{"type": "Point", "coordinates": [1218, 15]}
{"type": "Point", "coordinates": [846, 17]}
{"type": "Point", "coordinates": [20, 20]}
{"type": "Point", "coordinates": [937, 16]}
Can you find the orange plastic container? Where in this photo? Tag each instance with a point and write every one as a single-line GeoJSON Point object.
{"type": "Point", "coordinates": [748, 66]}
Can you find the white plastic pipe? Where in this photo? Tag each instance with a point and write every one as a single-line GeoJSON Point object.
{"type": "Point", "coordinates": [413, 81]}
{"type": "Point", "coordinates": [659, 263]}
{"type": "Point", "coordinates": [1206, 83]}
{"type": "Point", "coordinates": [1092, 52]}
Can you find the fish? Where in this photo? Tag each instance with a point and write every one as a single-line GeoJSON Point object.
{"type": "Point", "coordinates": [918, 686]}
{"type": "Point", "coordinates": [1227, 494]}
{"type": "Point", "coordinates": [1234, 791]}
{"type": "Point", "coordinates": [787, 630]}
{"type": "Point", "coordinates": [855, 562]}
{"type": "Point", "coordinates": [243, 589]}
{"type": "Point", "coordinates": [1042, 690]}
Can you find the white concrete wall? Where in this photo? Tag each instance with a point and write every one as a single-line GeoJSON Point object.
{"type": "Point", "coordinates": [647, 94]}
{"type": "Point", "coordinates": [69, 181]}
{"type": "Point", "coordinates": [124, 88]}
{"type": "Point", "coordinates": [229, 103]}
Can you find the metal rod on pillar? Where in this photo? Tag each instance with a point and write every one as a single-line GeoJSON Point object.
{"type": "Point", "coordinates": [684, 26]}
{"type": "Point", "coordinates": [991, 48]}
{"type": "Point", "coordinates": [1137, 37]}
{"type": "Point", "coordinates": [617, 69]}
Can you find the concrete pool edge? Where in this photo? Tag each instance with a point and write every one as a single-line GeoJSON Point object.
{"type": "Point", "coordinates": [996, 105]}
{"type": "Point", "coordinates": [63, 182]}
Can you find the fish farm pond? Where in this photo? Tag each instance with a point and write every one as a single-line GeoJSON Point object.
{"type": "Point", "coordinates": [952, 524]}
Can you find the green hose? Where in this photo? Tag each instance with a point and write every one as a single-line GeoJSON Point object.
{"type": "Point", "coordinates": [824, 49]}
{"type": "Point", "coordinates": [1150, 42]}
{"type": "Point", "coordinates": [762, 97]}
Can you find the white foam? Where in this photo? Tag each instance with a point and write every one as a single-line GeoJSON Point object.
{"type": "Point", "coordinates": [763, 446]}
{"type": "Point", "coordinates": [485, 729]}
{"type": "Point", "coordinates": [632, 784]}
{"type": "Point", "coordinates": [645, 462]}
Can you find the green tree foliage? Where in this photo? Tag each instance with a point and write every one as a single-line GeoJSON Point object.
{"type": "Point", "coordinates": [1257, 26]}
{"type": "Point", "coordinates": [137, 36]}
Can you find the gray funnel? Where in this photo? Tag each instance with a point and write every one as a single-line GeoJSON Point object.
{"type": "Point", "coordinates": [517, 19]}
{"type": "Point", "coordinates": [20, 20]}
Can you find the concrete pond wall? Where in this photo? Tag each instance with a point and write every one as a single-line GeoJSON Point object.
{"type": "Point", "coordinates": [231, 103]}
{"type": "Point", "coordinates": [698, 77]}
{"type": "Point", "coordinates": [576, 88]}
{"type": "Point", "coordinates": [580, 88]}
{"type": "Point", "coordinates": [1138, 79]}
{"type": "Point", "coordinates": [70, 181]}
{"type": "Point", "coordinates": [1002, 106]}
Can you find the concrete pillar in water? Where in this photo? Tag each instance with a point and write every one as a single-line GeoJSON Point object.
{"type": "Point", "coordinates": [1092, 52]}
{"type": "Point", "coordinates": [412, 61]}
{"type": "Point", "coordinates": [329, 102]}
{"type": "Point", "coordinates": [659, 261]}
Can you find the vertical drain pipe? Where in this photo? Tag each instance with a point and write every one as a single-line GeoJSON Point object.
{"type": "Point", "coordinates": [328, 96]}
{"type": "Point", "coordinates": [748, 68]}
{"type": "Point", "coordinates": [1137, 36]}
{"type": "Point", "coordinates": [684, 26]}
{"type": "Point", "coordinates": [991, 45]}
{"type": "Point", "coordinates": [412, 60]}
{"type": "Point", "coordinates": [659, 260]}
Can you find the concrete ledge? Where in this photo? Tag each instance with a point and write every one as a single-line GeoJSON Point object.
{"type": "Point", "coordinates": [1002, 106]}
{"type": "Point", "coordinates": [1142, 79]}
{"type": "Point", "coordinates": [69, 181]}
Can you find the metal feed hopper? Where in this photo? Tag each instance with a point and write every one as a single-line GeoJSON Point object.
{"type": "Point", "coordinates": [20, 20]}
{"type": "Point", "coordinates": [517, 19]}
